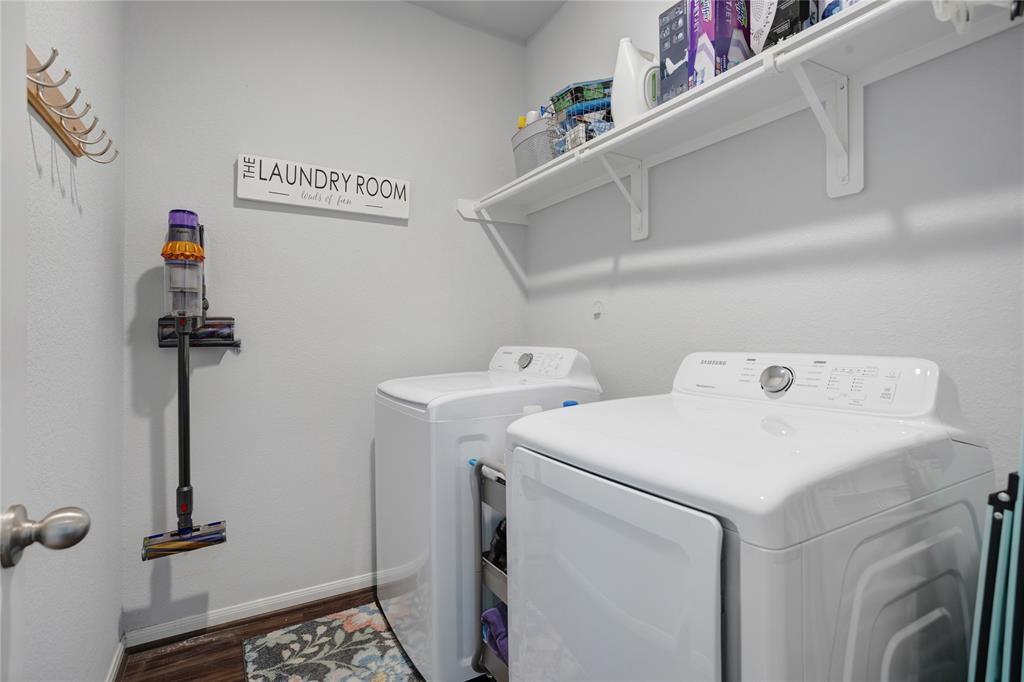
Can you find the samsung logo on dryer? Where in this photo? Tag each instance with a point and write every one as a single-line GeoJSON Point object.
{"type": "Point", "coordinates": [717, 363]}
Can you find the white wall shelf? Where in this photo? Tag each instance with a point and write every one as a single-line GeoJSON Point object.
{"type": "Point", "coordinates": [825, 68]}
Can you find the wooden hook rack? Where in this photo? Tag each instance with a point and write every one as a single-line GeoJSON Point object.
{"type": "Point", "coordinates": [61, 114]}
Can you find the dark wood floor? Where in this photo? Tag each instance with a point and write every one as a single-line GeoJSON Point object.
{"type": "Point", "coordinates": [215, 654]}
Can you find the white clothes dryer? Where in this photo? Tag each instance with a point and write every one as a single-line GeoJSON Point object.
{"type": "Point", "coordinates": [775, 517]}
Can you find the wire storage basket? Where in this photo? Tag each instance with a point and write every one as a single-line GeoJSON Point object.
{"type": "Point", "coordinates": [533, 145]}
{"type": "Point", "coordinates": [582, 111]}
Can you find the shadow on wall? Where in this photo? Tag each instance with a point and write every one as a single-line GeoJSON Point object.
{"type": "Point", "coordinates": [64, 182]}
{"type": "Point", "coordinates": [751, 243]}
{"type": "Point", "coordinates": [153, 391]}
{"type": "Point", "coordinates": [756, 204]}
{"type": "Point", "coordinates": [509, 241]}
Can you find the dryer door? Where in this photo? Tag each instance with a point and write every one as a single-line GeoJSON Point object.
{"type": "Point", "coordinates": [606, 582]}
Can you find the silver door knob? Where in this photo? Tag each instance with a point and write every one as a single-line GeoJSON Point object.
{"type": "Point", "coordinates": [60, 529]}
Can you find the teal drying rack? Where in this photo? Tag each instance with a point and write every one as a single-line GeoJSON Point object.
{"type": "Point", "coordinates": [997, 639]}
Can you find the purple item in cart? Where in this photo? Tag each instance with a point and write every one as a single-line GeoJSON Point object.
{"type": "Point", "coordinates": [496, 620]}
{"type": "Point", "coordinates": [719, 37]}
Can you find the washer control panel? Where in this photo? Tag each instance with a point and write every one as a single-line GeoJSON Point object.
{"type": "Point", "coordinates": [886, 385]}
{"type": "Point", "coordinates": [551, 363]}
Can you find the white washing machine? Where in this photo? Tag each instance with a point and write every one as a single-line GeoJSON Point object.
{"type": "Point", "coordinates": [426, 430]}
{"type": "Point", "coordinates": [776, 517]}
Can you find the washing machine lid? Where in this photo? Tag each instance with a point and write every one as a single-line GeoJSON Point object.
{"type": "Point", "coordinates": [517, 376]}
{"type": "Point", "coordinates": [423, 391]}
{"type": "Point", "coordinates": [778, 474]}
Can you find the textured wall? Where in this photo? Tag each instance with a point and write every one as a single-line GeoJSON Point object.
{"type": "Point", "coordinates": [747, 252]}
{"type": "Point", "coordinates": [593, 30]}
{"type": "Point", "coordinates": [62, 610]}
{"type": "Point", "coordinates": [327, 305]}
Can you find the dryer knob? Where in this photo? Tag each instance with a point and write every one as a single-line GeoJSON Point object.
{"type": "Point", "coordinates": [776, 379]}
{"type": "Point", "coordinates": [524, 360]}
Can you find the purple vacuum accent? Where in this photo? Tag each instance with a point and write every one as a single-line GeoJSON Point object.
{"type": "Point", "coordinates": [180, 217]}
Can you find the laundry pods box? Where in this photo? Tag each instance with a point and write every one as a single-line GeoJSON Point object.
{"type": "Point", "coordinates": [719, 37]}
{"type": "Point", "coordinates": [673, 34]}
{"type": "Point", "coordinates": [773, 20]}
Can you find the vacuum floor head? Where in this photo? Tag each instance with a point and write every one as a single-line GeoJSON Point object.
{"type": "Point", "coordinates": [178, 541]}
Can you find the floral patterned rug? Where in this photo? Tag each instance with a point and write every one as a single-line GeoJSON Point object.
{"type": "Point", "coordinates": [350, 646]}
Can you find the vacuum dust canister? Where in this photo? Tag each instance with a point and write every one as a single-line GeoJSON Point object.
{"type": "Point", "coordinates": [183, 265]}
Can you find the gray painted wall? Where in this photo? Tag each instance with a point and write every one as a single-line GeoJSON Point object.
{"type": "Point", "coordinates": [327, 305]}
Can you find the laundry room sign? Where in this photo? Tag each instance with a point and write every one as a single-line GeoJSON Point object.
{"type": "Point", "coordinates": [301, 184]}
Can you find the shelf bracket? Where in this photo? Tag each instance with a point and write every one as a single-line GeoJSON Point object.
{"type": "Point", "coordinates": [635, 196]}
{"type": "Point", "coordinates": [840, 114]}
{"type": "Point", "coordinates": [467, 208]}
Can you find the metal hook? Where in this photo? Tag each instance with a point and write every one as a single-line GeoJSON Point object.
{"type": "Point", "coordinates": [62, 81]}
{"type": "Point", "coordinates": [67, 105]}
{"type": "Point", "coordinates": [80, 140]}
{"type": "Point", "coordinates": [64, 113]}
{"type": "Point", "coordinates": [95, 160]}
{"type": "Point", "coordinates": [98, 154]}
{"type": "Point", "coordinates": [95, 120]}
{"type": "Point", "coordinates": [49, 62]}
{"type": "Point", "coordinates": [88, 108]}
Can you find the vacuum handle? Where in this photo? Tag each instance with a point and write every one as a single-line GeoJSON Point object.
{"type": "Point", "coordinates": [184, 491]}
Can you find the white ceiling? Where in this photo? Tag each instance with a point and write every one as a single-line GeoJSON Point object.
{"type": "Point", "coordinates": [513, 19]}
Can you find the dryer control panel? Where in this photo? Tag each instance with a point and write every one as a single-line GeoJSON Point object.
{"type": "Point", "coordinates": [895, 386]}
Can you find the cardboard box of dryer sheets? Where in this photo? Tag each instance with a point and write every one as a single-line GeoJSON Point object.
{"type": "Point", "coordinates": [673, 39]}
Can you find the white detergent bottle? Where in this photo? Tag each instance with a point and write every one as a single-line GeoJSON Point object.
{"type": "Point", "coordinates": [635, 84]}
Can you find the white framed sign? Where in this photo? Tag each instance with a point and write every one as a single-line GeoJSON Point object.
{"type": "Point", "coordinates": [301, 184]}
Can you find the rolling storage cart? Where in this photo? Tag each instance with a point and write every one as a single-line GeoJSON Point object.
{"type": "Point", "coordinates": [488, 491]}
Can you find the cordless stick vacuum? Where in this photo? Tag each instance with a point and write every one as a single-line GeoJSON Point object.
{"type": "Point", "coordinates": [186, 298]}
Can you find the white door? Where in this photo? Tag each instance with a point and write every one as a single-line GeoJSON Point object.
{"type": "Point", "coordinates": [61, 383]}
{"type": "Point", "coordinates": [606, 582]}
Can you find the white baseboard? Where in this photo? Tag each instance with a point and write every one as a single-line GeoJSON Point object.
{"type": "Point", "coordinates": [253, 608]}
{"type": "Point", "coordinates": [115, 665]}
